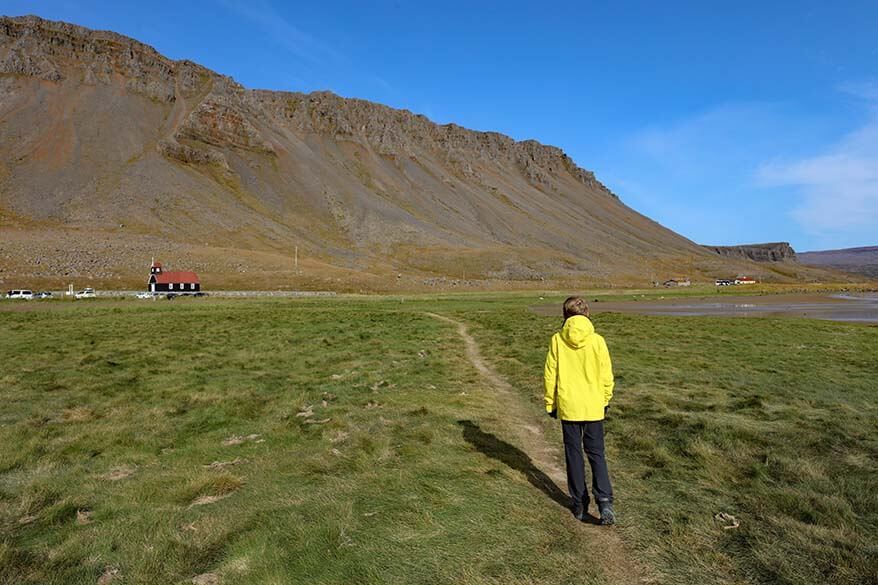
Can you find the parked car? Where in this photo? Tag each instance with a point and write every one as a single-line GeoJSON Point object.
{"type": "Point", "coordinates": [86, 293]}
{"type": "Point", "coordinates": [20, 294]}
{"type": "Point", "coordinates": [723, 282]}
{"type": "Point", "coordinates": [145, 295]}
{"type": "Point", "coordinates": [43, 295]}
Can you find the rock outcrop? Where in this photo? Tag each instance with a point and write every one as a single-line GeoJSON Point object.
{"type": "Point", "coordinates": [39, 48]}
{"type": "Point", "coordinates": [401, 133]}
{"type": "Point", "coordinates": [217, 122]}
{"type": "Point", "coordinates": [53, 50]}
{"type": "Point", "coordinates": [774, 252]}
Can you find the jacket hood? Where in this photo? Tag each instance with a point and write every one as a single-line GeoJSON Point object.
{"type": "Point", "coordinates": [576, 331]}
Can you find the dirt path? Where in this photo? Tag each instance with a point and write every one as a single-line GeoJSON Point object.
{"type": "Point", "coordinates": [608, 547]}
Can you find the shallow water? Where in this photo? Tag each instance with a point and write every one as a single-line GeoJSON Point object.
{"type": "Point", "coordinates": [862, 308]}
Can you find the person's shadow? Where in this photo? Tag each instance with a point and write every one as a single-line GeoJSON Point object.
{"type": "Point", "coordinates": [515, 458]}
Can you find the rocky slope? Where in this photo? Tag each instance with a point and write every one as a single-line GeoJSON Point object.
{"type": "Point", "coordinates": [110, 149]}
{"type": "Point", "coordinates": [861, 261]}
{"type": "Point", "coordinates": [774, 252]}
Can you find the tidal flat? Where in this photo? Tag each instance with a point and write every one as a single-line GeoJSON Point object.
{"type": "Point", "coordinates": [848, 307]}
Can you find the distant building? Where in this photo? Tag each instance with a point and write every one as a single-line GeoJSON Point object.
{"type": "Point", "coordinates": [677, 282]}
{"type": "Point", "coordinates": [172, 282]}
{"type": "Point", "coordinates": [745, 280]}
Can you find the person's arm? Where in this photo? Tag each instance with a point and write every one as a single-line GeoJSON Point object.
{"type": "Point", "coordinates": [550, 376]}
{"type": "Point", "coordinates": [606, 376]}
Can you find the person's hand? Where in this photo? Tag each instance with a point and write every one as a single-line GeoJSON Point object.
{"type": "Point", "coordinates": [553, 414]}
{"type": "Point", "coordinates": [606, 409]}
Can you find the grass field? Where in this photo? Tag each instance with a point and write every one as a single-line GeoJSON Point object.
{"type": "Point", "coordinates": [352, 441]}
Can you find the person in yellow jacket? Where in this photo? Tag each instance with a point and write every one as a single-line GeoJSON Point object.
{"type": "Point", "coordinates": [579, 386]}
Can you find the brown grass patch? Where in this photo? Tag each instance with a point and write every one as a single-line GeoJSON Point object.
{"type": "Point", "coordinates": [204, 500]}
{"type": "Point", "coordinates": [119, 473]}
{"type": "Point", "coordinates": [83, 517]}
{"type": "Point", "coordinates": [214, 489]}
{"type": "Point", "coordinates": [110, 574]}
{"type": "Point", "coordinates": [239, 439]}
{"type": "Point", "coordinates": [77, 414]}
{"type": "Point", "coordinates": [224, 464]}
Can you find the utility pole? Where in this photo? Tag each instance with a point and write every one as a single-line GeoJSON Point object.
{"type": "Point", "coordinates": [296, 259]}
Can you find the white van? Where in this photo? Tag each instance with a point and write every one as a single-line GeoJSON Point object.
{"type": "Point", "coordinates": [20, 294]}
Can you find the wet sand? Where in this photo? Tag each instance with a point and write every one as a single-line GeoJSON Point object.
{"type": "Point", "coordinates": [861, 308]}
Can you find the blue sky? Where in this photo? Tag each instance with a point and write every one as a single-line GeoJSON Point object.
{"type": "Point", "coordinates": [727, 122]}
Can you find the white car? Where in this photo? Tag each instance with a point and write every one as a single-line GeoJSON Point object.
{"type": "Point", "coordinates": [145, 295]}
{"type": "Point", "coordinates": [20, 294]}
{"type": "Point", "coordinates": [86, 293]}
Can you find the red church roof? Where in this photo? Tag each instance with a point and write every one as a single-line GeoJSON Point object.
{"type": "Point", "coordinates": [156, 264]}
{"type": "Point", "coordinates": [176, 277]}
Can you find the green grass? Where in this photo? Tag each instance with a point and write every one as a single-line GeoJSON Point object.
{"type": "Point", "coordinates": [117, 411]}
{"type": "Point", "coordinates": [114, 412]}
{"type": "Point", "coordinates": [773, 421]}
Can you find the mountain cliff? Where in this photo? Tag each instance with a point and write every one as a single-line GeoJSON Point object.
{"type": "Point", "coordinates": [862, 261]}
{"type": "Point", "coordinates": [774, 252]}
{"type": "Point", "coordinates": [111, 154]}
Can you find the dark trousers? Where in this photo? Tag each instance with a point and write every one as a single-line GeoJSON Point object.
{"type": "Point", "coordinates": [591, 436]}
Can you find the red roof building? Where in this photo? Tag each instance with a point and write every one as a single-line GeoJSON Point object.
{"type": "Point", "coordinates": [176, 281]}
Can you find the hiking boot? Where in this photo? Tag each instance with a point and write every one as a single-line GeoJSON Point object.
{"type": "Point", "coordinates": [580, 511]}
{"type": "Point", "coordinates": [608, 517]}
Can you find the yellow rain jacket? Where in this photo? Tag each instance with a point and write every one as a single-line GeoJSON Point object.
{"type": "Point", "coordinates": [578, 374]}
